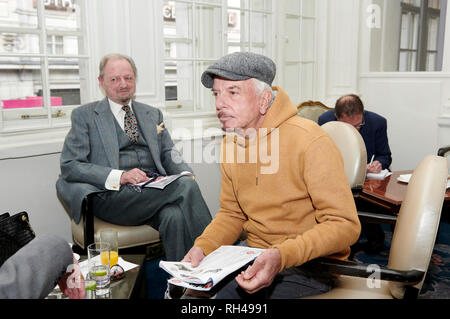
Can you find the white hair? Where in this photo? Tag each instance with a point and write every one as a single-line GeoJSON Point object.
{"type": "Point", "coordinates": [261, 86]}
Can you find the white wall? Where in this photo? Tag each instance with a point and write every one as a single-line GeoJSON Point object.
{"type": "Point", "coordinates": [29, 185]}
{"type": "Point", "coordinates": [413, 106]}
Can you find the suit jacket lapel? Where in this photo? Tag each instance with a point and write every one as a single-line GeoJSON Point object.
{"type": "Point", "coordinates": [107, 131]}
{"type": "Point", "coordinates": [147, 125]}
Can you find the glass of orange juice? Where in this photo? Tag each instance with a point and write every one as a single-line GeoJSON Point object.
{"type": "Point", "coordinates": [110, 236]}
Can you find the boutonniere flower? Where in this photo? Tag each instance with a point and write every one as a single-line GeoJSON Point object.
{"type": "Point", "coordinates": [160, 128]}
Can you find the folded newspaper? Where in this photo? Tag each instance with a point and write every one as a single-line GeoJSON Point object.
{"type": "Point", "coordinates": [162, 181]}
{"type": "Point", "coordinates": [212, 269]}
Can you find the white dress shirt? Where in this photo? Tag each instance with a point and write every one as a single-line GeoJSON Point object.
{"type": "Point", "coordinates": [113, 181]}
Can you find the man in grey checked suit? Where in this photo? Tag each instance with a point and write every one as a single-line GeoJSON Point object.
{"type": "Point", "coordinates": [111, 147]}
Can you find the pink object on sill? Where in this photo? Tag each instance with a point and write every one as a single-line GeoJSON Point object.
{"type": "Point", "coordinates": [30, 101]}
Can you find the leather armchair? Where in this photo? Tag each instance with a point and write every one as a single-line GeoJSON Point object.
{"type": "Point", "coordinates": [411, 247]}
{"type": "Point", "coordinates": [88, 230]}
{"type": "Point", "coordinates": [353, 151]}
{"type": "Point", "coordinates": [312, 110]}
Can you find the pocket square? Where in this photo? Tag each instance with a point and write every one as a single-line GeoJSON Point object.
{"type": "Point", "coordinates": [160, 128]}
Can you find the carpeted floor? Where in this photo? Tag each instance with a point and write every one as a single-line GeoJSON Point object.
{"type": "Point", "coordinates": [436, 285]}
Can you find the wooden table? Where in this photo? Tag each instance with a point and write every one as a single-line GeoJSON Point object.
{"type": "Point", "coordinates": [389, 193]}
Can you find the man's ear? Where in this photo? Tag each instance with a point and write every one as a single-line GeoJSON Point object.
{"type": "Point", "coordinates": [100, 81]}
{"type": "Point", "coordinates": [265, 99]}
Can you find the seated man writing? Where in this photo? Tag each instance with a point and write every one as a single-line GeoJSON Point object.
{"type": "Point", "coordinates": [373, 129]}
{"type": "Point", "coordinates": [283, 182]}
{"type": "Point", "coordinates": [371, 126]}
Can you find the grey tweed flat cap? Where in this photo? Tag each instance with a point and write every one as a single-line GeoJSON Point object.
{"type": "Point", "coordinates": [240, 66]}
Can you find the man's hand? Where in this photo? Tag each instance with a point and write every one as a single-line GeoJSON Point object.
{"type": "Point", "coordinates": [261, 273]}
{"type": "Point", "coordinates": [72, 283]}
{"type": "Point", "coordinates": [375, 167]}
{"type": "Point", "coordinates": [194, 256]}
{"type": "Point", "coordinates": [133, 176]}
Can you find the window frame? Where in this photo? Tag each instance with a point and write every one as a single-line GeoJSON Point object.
{"type": "Point", "coordinates": [425, 14]}
{"type": "Point", "coordinates": [45, 117]}
{"type": "Point", "coordinates": [174, 106]}
{"type": "Point", "coordinates": [301, 61]}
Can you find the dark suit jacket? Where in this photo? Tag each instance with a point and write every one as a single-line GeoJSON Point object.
{"type": "Point", "coordinates": [374, 134]}
{"type": "Point", "coordinates": [91, 151]}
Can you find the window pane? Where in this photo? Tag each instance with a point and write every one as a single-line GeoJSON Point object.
{"type": "Point", "coordinates": [18, 83]}
{"type": "Point", "coordinates": [413, 61]}
{"type": "Point", "coordinates": [21, 90]}
{"type": "Point", "coordinates": [293, 7]}
{"type": "Point", "coordinates": [23, 95]}
{"type": "Point", "coordinates": [263, 5]}
{"type": "Point", "coordinates": [415, 31]}
{"type": "Point", "coordinates": [63, 45]}
{"type": "Point", "coordinates": [415, 3]}
{"type": "Point", "coordinates": [180, 86]}
{"type": "Point", "coordinates": [206, 101]}
{"type": "Point", "coordinates": [27, 102]}
{"type": "Point", "coordinates": [18, 13]}
{"type": "Point", "coordinates": [170, 69]}
{"type": "Point", "coordinates": [308, 8]}
{"type": "Point", "coordinates": [178, 30]}
{"type": "Point", "coordinates": [407, 61]}
{"type": "Point", "coordinates": [209, 37]}
{"type": "Point", "coordinates": [62, 15]}
{"type": "Point", "coordinates": [195, 35]}
{"type": "Point", "coordinates": [403, 62]}
{"type": "Point", "coordinates": [64, 79]}
{"type": "Point", "coordinates": [307, 81]}
{"type": "Point", "coordinates": [434, 4]}
{"type": "Point", "coordinates": [243, 4]}
{"type": "Point", "coordinates": [55, 45]}
{"type": "Point", "coordinates": [234, 28]}
{"type": "Point", "coordinates": [409, 31]}
{"type": "Point", "coordinates": [260, 32]}
{"type": "Point", "coordinates": [292, 43]}
{"type": "Point", "coordinates": [19, 43]}
{"type": "Point", "coordinates": [292, 72]}
{"type": "Point", "coordinates": [431, 62]}
{"type": "Point", "coordinates": [307, 38]}
{"type": "Point", "coordinates": [241, 31]}
{"type": "Point", "coordinates": [433, 30]}
{"type": "Point", "coordinates": [233, 48]}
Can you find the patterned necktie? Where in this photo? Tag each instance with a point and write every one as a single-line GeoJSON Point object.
{"type": "Point", "coordinates": [130, 126]}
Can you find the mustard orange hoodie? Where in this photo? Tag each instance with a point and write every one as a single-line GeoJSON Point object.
{"type": "Point", "coordinates": [294, 195]}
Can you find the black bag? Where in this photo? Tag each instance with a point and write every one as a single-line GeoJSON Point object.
{"type": "Point", "coordinates": [15, 232]}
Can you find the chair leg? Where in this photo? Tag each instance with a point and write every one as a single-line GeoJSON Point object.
{"type": "Point", "coordinates": [79, 250]}
{"type": "Point", "coordinates": [88, 223]}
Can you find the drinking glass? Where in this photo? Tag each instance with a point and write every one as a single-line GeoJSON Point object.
{"type": "Point", "coordinates": [110, 236]}
{"type": "Point", "coordinates": [99, 264]}
{"type": "Point", "coordinates": [90, 286]}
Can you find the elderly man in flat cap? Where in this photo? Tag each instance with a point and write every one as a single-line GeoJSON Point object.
{"type": "Point", "coordinates": [301, 211]}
